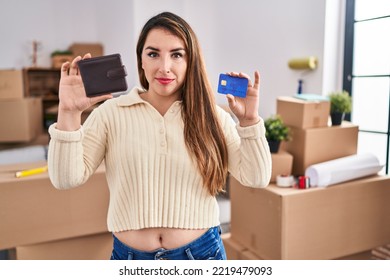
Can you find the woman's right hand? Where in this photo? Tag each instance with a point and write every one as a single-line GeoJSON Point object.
{"type": "Point", "coordinates": [72, 96]}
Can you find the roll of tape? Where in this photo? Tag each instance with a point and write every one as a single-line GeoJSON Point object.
{"type": "Point", "coordinates": [303, 182]}
{"type": "Point", "coordinates": [284, 181]}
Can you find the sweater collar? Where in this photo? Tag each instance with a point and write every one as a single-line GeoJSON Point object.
{"type": "Point", "coordinates": [131, 98]}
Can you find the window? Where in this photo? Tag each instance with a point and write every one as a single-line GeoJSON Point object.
{"type": "Point", "coordinates": [367, 74]}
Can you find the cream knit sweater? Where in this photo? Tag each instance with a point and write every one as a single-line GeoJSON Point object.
{"type": "Point", "coordinates": [152, 179]}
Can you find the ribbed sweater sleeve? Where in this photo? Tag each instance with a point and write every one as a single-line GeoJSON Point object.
{"type": "Point", "coordinates": [248, 151]}
{"type": "Point", "coordinates": [73, 156]}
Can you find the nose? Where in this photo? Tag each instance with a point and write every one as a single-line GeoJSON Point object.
{"type": "Point", "coordinates": [165, 65]}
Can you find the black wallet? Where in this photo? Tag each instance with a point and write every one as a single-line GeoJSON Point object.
{"type": "Point", "coordinates": [103, 74]}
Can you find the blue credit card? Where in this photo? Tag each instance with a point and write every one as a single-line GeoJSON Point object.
{"type": "Point", "coordinates": [236, 86]}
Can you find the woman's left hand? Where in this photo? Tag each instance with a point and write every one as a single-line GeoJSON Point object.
{"type": "Point", "coordinates": [246, 109]}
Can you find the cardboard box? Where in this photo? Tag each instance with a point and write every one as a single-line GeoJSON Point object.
{"type": "Point", "coordinates": [58, 60]}
{"type": "Point", "coordinates": [236, 251]}
{"type": "Point", "coordinates": [381, 252]}
{"type": "Point", "coordinates": [83, 48]}
{"type": "Point", "coordinates": [366, 255]}
{"type": "Point", "coordinates": [91, 247]}
{"type": "Point", "coordinates": [21, 119]}
{"type": "Point", "coordinates": [301, 113]}
{"type": "Point", "coordinates": [282, 163]}
{"type": "Point", "coordinates": [33, 211]}
{"type": "Point", "coordinates": [315, 145]}
{"type": "Point", "coordinates": [233, 248]}
{"type": "Point", "coordinates": [249, 255]}
{"type": "Point", "coordinates": [11, 84]}
{"type": "Point", "coordinates": [317, 223]}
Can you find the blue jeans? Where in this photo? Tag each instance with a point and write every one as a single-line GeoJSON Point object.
{"type": "Point", "coordinates": [209, 246]}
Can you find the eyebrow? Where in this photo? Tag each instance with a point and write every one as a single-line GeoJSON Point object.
{"type": "Point", "coordinates": [156, 49]}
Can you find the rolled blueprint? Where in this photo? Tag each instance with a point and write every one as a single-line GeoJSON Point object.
{"type": "Point", "coordinates": [342, 169]}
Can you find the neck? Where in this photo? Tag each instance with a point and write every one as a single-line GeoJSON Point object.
{"type": "Point", "coordinates": [160, 103]}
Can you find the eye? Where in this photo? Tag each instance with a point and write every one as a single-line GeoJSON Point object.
{"type": "Point", "coordinates": [152, 54]}
{"type": "Point", "coordinates": [177, 55]}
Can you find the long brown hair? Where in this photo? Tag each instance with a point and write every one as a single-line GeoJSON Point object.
{"type": "Point", "coordinates": [203, 134]}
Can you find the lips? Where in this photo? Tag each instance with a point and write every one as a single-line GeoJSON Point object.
{"type": "Point", "coordinates": [164, 81]}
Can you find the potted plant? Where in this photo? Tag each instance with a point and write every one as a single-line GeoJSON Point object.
{"type": "Point", "coordinates": [275, 132]}
{"type": "Point", "coordinates": [60, 56]}
{"type": "Point", "coordinates": [340, 104]}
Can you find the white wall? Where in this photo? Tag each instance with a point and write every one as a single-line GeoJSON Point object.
{"type": "Point", "coordinates": [334, 46]}
{"type": "Point", "coordinates": [55, 24]}
{"type": "Point", "coordinates": [235, 36]}
{"type": "Point", "coordinates": [264, 35]}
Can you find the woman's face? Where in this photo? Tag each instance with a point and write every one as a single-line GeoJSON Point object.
{"type": "Point", "coordinates": [164, 61]}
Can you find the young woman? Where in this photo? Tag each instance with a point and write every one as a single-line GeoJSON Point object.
{"type": "Point", "coordinates": [167, 147]}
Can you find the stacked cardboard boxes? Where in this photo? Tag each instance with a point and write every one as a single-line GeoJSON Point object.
{"type": "Point", "coordinates": [21, 117]}
{"type": "Point", "coordinates": [344, 221]}
{"type": "Point", "coordinates": [313, 141]}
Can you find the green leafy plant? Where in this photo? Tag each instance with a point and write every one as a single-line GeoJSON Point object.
{"type": "Point", "coordinates": [61, 52]}
{"type": "Point", "coordinates": [340, 101]}
{"type": "Point", "coordinates": [276, 130]}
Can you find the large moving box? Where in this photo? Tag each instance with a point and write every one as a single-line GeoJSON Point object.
{"type": "Point", "coordinates": [315, 145]}
{"type": "Point", "coordinates": [90, 247]}
{"type": "Point", "coordinates": [233, 248]}
{"type": "Point", "coordinates": [33, 211]}
{"type": "Point", "coordinates": [11, 84]}
{"type": "Point", "coordinates": [326, 223]}
{"type": "Point", "coordinates": [301, 113]}
{"type": "Point", "coordinates": [236, 251]}
{"type": "Point", "coordinates": [21, 119]}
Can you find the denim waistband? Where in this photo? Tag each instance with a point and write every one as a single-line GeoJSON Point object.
{"type": "Point", "coordinates": [202, 246]}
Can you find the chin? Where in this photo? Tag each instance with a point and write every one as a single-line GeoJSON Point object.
{"type": "Point", "coordinates": [167, 91]}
